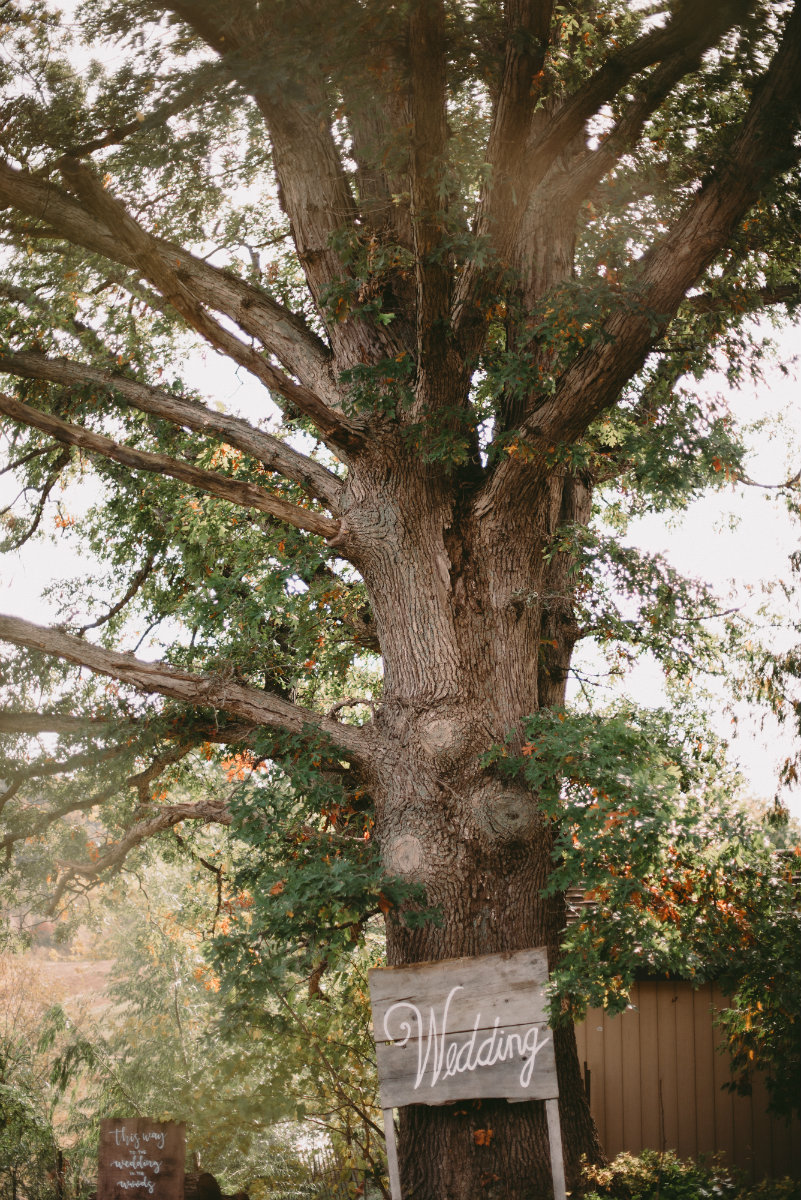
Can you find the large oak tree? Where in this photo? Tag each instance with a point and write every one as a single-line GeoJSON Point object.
{"type": "Point", "coordinates": [472, 251]}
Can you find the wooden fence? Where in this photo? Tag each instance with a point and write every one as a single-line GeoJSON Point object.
{"type": "Point", "coordinates": [655, 1080]}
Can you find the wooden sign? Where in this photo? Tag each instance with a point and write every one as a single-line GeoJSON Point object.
{"type": "Point", "coordinates": [141, 1160]}
{"type": "Point", "coordinates": [465, 1029]}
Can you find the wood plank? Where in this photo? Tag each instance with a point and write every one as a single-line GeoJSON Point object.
{"type": "Point", "coordinates": [706, 1094]}
{"type": "Point", "coordinates": [141, 1159]}
{"type": "Point", "coordinates": [509, 987]}
{"type": "Point", "coordinates": [613, 1084]}
{"type": "Point", "coordinates": [762, 1132]}
{"type": "Point", "coordinates": [392, 1155]}
{"type": "Point", "coordinates": [555, 1142]}
{"type": "Point", "coordinates": [594, 1040]}
{"type": "Point", "coordinates": [743, 1111]}
{"type": "Point", "coordinates": [668, 1093]}
{"type": "Point", "coordinates": [724, 1109]}
{"type": "Point", "coordinates": [649, 1067]}
{"type": "Point", "coordinates": [686, 1143]}
{"type": "Point", "coordinates": [516, 1063]}
{"type": "Point", "coordinates": [632, 1096]}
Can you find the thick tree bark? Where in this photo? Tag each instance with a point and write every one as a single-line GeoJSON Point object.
{"type": "Point", "coordinates": [462, 669]}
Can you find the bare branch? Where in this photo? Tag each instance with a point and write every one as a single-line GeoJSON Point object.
{"type": "Point", "coordinates": [265, 448]}
{"type": "Point", "coordinates": [244, 495]}
{"type": "Point", "coordinates": [259, 708]}
{"type": "Point", "coordinates": [207, 812]}
{"type": "Point", "coordinates": [136, 583]}
{"type": "Point", "coordinates": [26, 458]}
{"type": "Point", "coordinates": [50, 483]}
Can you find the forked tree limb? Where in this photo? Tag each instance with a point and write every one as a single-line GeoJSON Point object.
{"type": "Point", "coordinates": [593, 165]}
{"type": "Point", "coordinates": [238, 492]}
{"type": "Point", "coordinates": [502, 210]}
{"type": "Point", "coordinates": [704, 21]}
{"type": "Point", "coordinates": [280, 331]}
{"type": "Point", "coordinates": [765, 147]}
{"type": "Point", "coordinates": [202, 691]}
{"type": "Point", "coordinates": [148, 256]}
{"type": "Point", "coordinates": [240, 434]}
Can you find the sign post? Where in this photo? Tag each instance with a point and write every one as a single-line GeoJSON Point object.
{"type": "Point", "coordinates": [141, 1160]}
{"type": "Point", "coordinates": [465, 1029]}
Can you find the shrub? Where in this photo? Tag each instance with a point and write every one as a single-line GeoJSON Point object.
{"type": "Point", "coordinates": [654, 1176]}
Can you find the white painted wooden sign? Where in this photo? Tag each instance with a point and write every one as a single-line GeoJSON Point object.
{"type": "Point", "coordinates": [465, 1029]}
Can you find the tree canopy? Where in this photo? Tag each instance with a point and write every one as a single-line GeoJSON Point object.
{"type": "Point", "coordinates": [478, 257]}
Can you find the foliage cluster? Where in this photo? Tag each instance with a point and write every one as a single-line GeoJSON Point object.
{"type": "Point", "coordinates": [655, 1176]}
{"type": "Point", "coordinates": [259, 1080]}
{"type": "Point", "coordinates": [28, 1136]}
{"type": "Point", "coordinates": [682, 881]}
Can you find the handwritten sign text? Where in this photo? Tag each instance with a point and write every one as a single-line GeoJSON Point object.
{"type": "Point", "coordinates": [141, 1160]}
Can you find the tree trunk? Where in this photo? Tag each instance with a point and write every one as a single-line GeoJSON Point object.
{"type": "Point", "coordinates": [459, 611]}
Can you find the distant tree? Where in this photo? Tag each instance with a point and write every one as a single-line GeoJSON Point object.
{"type": "Point", "coordinates": [29, 1160]}
{"type": "Point", "coordinates": [478, 254]}
{"type": "Point", "coordinates": [253, 1084]}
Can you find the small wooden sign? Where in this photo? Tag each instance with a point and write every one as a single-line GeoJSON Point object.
{"type": "Point", "coordinates": [141, 1160]}
{"type": "Point", "coordinates": [465, 1029]}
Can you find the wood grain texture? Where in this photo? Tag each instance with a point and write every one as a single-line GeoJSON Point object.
{"type": "Point", "coordinates": [464, 1029]}
{"type": "Point", "coordinates": [673, 1085]}
{"type": "Point", "coordinates": [508, 986]}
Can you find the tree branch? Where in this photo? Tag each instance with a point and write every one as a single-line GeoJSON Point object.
{"type": "Point", "coordinates": [15, 722]}
{"type": "Point", "coordinates": [744, 299]}
{"type": "Point", "coordinates": [148, 256]}
{"type": "Point", "coordinates": [206, 811]}
{"type": "Point", "coordinates": [691, 24]}
{"type": "Point", "coordinates": [265, 448]}
{"type": "Point", "coordinates": [594, 164]}
{"type": "Point", "coordinates": [142, 123]}
{"type": "Point", "coordinates": [244, 495]}
{"type": "Point", "coordinates": [527, 28]}
{"type": "Point", "coordinates": [500, 221]}
{"type": "Point", "coordinates": [138, 579]}
{"type": "Point", "coordinates": [259, 708]}
{"type": "Point", "coordinates": [305, 155]}
{"type": "Point", "coordinates": [51, 481]}
{"type": "Point", "coordinates": [437, 361]}
{"type": "Point", "coordinates": [763, 149]}
{"type": "Point", "coordinates": [280, 331]}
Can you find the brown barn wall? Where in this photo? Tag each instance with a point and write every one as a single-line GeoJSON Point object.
{"type": "Point", "coordinates": [656, 1081]}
